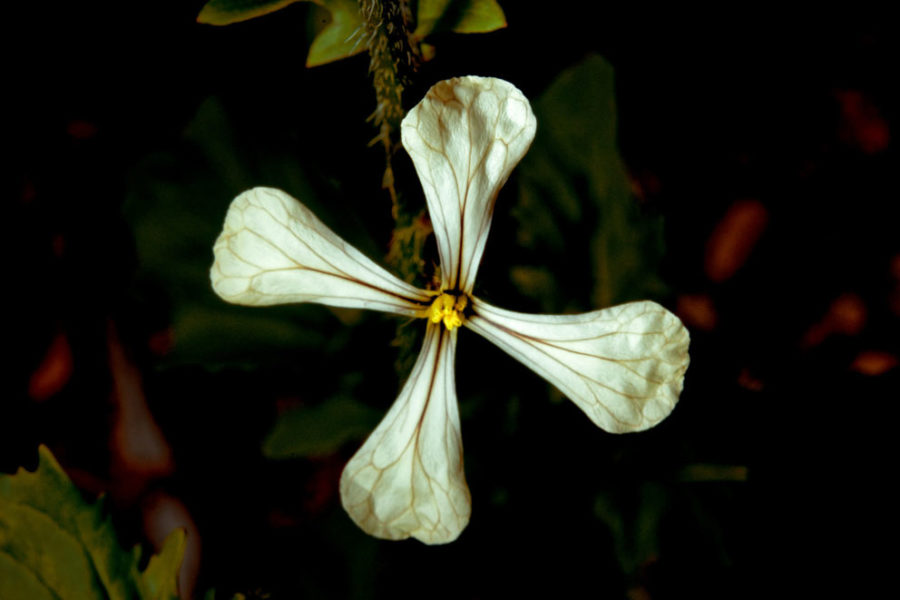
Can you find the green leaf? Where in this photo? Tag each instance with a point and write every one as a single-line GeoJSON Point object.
{"type": "Point", "coordinates": [320, 430]}
{"type": "Point", "coordinates": [461, 16]}
{"type": "Point", "coordinates": [226, 12]}
{"type": "Point", "coordinates": [573, 184]}
{"type": "Point", "coordinates": [341, 37]}
{"type": "Point", "coordinates": [339, 24]}
{"type": "Point", "coordinates": [53, 544]}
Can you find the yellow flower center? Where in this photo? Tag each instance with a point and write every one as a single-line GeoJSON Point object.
{"type": "Point", "coordinates": [449, 309]}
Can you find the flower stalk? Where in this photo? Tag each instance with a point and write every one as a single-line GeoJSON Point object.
{"type": "Point", "coordinates": [394, 56]}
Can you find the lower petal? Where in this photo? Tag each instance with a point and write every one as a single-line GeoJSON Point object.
{"type": "Point", "coordinates": [623, 366]}
{"type": "Point", "coordinates": [407, 480]}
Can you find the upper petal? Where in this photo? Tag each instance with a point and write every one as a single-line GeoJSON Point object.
{"type": "Point", "coordinates": [623, 366]}
{"type": "Point", "coordinates": [273, 250]}
{"type": "Point", "coordinates": [464, 138]}
{"type": "Point", "coordinates": [407, 480]}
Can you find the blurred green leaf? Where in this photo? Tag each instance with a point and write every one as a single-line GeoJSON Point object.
{"type": "Point", "coordinates": [634, 518]}
{"type": "Point", "coordinates": [699, 472]}
{"type": "Point", "coordinates": [176, 205]}
{"type": "Point", "coordinates": [320, 430]}
{"type": "Point", "coordinates": [53, 544]}
{"type": "Point", "coordinates": [461, 16]}
{"type": "Point", "coordinates": [226, 12]}
{"type": "Point", "coordinates": [573, 184]}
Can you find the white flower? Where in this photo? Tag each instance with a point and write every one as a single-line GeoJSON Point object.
{"type": "Point", "coordinates": [623, 366]}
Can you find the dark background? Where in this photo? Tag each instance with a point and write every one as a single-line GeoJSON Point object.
{"type": "Point", "coordinates": [772, 134]}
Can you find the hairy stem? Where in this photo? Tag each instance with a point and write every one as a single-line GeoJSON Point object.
{"type": "Point", "coordinates": [394, 57]}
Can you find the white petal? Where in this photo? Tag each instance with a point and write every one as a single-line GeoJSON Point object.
{"type": "Point", "coordinates": [623, 366]}
{"type": "Point", "coordinates": [407, 480]}
{"type": "Point", "coordinates": [464, 138]}
{"type": "Point", "coordinates": [273, 250]}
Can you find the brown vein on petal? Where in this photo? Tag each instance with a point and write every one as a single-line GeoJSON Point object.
{"type": "Point", "coordinates": [485, 308]}
{"type": "Point", "coordinates": [554, 344]}
{"type": "Point", "coordinates": [417, 455]}
{"type": "Point", "coordinates": [339, 247]}
{"type": "Point", "coordinates": [447, 252]}
{"type": "Point", "coordinates": [634, 400]}
{"type": "Point", "coordinates": [338, 273]}
{"type": "Point", "coordinates": [338, 244]}
{"type": "Point", "coordinates": [537, 347]}
{"type": "Point", "coordinates": [368, 501]}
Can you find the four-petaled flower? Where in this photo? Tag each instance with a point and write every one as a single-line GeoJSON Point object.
{"type": "Point", "coordinates": [623, 366]}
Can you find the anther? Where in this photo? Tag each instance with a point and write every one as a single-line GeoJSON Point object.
{"type": "Point", "coordinates": [449, 309]}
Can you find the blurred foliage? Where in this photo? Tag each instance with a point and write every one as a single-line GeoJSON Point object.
{"type": "Point", "coordinates": [53, 544]}
{"type": "Point", "coordinates": [176, 214]}
{"type": "Point", "coordinates": [574, 186]}
{"type": "Point", "coordinates": [634, 522]}
{"type": "Point", "coordinates": [339, 35]}
{"type": "Point", "coordinates": [320, 430]}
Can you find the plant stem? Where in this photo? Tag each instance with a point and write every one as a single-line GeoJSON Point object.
{"type": "Point", "coordinates": [394, 57]}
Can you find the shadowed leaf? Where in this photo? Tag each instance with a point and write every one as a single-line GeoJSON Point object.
{"type": "Point", "coordinates": [226, 12]}
{"type": "Point", "coordinates": [573, 177]}
{"type": "Point", "coordinates": [176, 215]}
{"type": "Point", "coordinates": [319, 430]}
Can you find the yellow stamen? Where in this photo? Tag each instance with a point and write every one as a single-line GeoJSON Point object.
{"type": "Point", "coordinates": [449, 309]}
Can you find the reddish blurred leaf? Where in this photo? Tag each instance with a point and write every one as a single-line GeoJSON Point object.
{"type": "Point", "coordinates": [321, 489]}
{"type": "Point", "coordinates": [29, 193]}
{"type": "Point", "coordinates": [748, 381]}
{"type": "Point", "coordinates": [162, 342]}
{"type": "Point", "coordinates": [140, 451]}
{"type": "Point", "coordinates": [708, 472]}
{"type": "Point", "coordinates": [81, 130]}
{"type": "Point", "coordinates": [734, 238]}
{"type": "Point", "coordinates": [54, 371]}
{"type": "Point", "coordinates": [845, 316]}
{"type": "Point", "coordinates": [697, 311]}
{"type": "Point", "coordinates": [58, 245]}
{"type": "Point", "coordinates": [164, 514]}
{"type": "Point", "coordinates": [895, 293]}
{"type": "Point", "coordinates": [874, 362]}
{"type": "Point", "coordinates": [862, 125]}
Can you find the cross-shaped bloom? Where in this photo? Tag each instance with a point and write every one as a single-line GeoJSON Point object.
{"type": "Point", "coordinates": [623, 366]}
